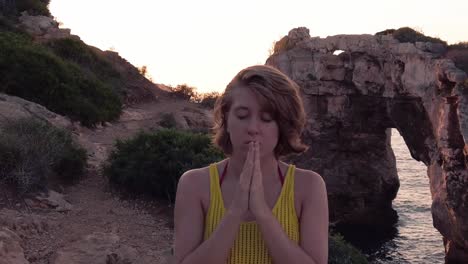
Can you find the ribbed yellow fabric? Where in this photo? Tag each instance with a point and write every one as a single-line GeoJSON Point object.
{"type": "Point", "coordinates": [249, 246]}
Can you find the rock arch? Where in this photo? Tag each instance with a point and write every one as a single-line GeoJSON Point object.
{"type": "Point", "coordinates": [354, 98]}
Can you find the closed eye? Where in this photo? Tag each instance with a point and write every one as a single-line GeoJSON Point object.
{"type": "Point", "coordinates": [265, 119]}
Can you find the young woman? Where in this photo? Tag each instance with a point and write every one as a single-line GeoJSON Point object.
{"type": "Point", "coordinates": [252, 207]}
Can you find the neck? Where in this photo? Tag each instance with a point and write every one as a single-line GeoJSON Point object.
{"type": "Point", "coordinates": [268, 165]}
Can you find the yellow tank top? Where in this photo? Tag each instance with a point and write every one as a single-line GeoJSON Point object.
{"type": "Point", "coordinates": [249, 246]}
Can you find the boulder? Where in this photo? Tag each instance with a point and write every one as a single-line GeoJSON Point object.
{"type": "Point", "coordinates": [11, 251]}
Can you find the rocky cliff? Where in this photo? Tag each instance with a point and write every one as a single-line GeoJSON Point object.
{"type": "Point", "coordinates": [138, 89]}
{"type": "Point", "coordinates": [355, 89]}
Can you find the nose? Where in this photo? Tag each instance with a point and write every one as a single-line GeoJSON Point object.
{"type": "Point", "coordinates": [253, 127]}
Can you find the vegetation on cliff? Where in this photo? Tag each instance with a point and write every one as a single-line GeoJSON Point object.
{"type": "Point", "coordinates": [32, 151]}
{"type": "Point", "coordinates": [459, 54]}
{"type": "Point", "coordinates": [152, 163]}
{"type": "Point", "coordinates": [33, 7]}
{"type": "Point", "coordinates": [407, 34]}
{"type": "Point", "coordinates": [342, 252]}
{"type": "Point", "coordinates": [36, 73]}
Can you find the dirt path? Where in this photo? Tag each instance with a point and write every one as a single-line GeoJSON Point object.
{"type": "Point", "coordinates": [145, 226]}
{"type": "Point", "coordinates": [133, 119]}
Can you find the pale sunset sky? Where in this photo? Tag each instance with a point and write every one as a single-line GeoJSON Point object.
{"type": "Point", "coordinates": [204, 43]}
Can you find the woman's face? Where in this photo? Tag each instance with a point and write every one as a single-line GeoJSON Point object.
{"type": "Point", "coordinates": [246, 121]}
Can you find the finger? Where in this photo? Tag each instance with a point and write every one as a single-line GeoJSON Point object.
{"type": "Point", "coordinates": [251, 165]}
{"type": "Point", "coordinates": [256, 159]}
{"type": "Point", "coordinates": [257, 155]}
{"type": "Point", "coordinates": [257, 170]}
{"type": "Point", "coordinates": [248, 165]}
{"type": "Point", "coordinates": [250, 156]}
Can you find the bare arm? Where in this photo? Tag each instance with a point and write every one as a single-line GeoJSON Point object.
{"type": "Point", "coordinates": [313, 244]}
{"type": "Point", "coordinates": [189, 222]}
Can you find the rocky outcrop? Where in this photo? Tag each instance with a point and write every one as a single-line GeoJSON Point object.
{"type": "Point", "coordinates": [51, 199]}
{"type": "Point", "coordinates": [24, 226]}
{"type": "Point", "coordinates": [15, 229]}
{"type": "Point", "coordinates": [44, 27]}
{"type": "Point", "coordinates": [10, 250]}
{"type": "Point", "coordinates": [354, 97]}
{"type": "Point", "coordinates": [13, 108]}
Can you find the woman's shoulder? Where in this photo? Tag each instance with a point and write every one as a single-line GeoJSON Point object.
{"type": "Point", "coordinates": [203, 171]}
{"type": "Point", "coordinates": [198, 177]}
{"type": "Point", "coordinates": [310, 174]}
{"type": "Point", "coordinates": [308, 180]}
{"type": "Point", "coordinates": [194, 175]}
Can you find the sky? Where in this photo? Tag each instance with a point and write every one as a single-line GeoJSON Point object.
{"type": "Point", "coordinates": [204, 43]}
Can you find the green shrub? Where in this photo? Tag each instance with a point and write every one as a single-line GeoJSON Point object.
{"type": "Point", "coordinates": [31, 151]}
{"type": "Point", "coordinates": [34, 7]}
{"type": "Point", "coordinates": [386, 32]}
{"type": "Point", "coordinates": [34, 73]}
{"type": "Point", "coordinates": [72, 163]}
{"type": "Point", "coordinates": [341, 252]}
{"type": "Point", "coordinates": [152, 163]}
{"type": "Point", "coordinates": [407, 34]}
{"type": "Point", "coordinates": [460, 45]}
{"type": "Point", "coordinates": [6, 24]}
{"type": "Point", "coordinates": [208, 99]}
{"type": "Point", "coordinates": [183, 91]}
{"type": "Point", "coordinates": [168, 120]}
{"type": "Point", "coordinates": [93, 64]}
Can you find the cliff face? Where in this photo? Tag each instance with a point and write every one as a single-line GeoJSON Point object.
{"type": "Point", "coordinates": [354, 98]}
{"type": "Point", "coordinates": [137, 89]}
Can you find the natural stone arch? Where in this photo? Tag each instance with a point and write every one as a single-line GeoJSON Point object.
{"type": "Point", "coordinates": [354, 98]}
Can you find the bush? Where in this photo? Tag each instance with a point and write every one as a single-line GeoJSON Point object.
{"type": "Point", "coordinates": [31, 151]}
{"type": "Point", "coordinates": [208, 99]}
{"type": "Point", "coordinates": [34, 7]}
{"type": "Point", "coordinates": [168, 120]}
{"type": "Point", "coordinates": [460, 45]}
{"type": "Point", "coordinates": [341, 252]}
{"type": "Point", "coordinates": [459, 54]}
{"type": "Point", "coordinates": [152, 163]}
{"type": "Point", "coordinates": [407, 34]}
{"type": "Point", "coordinates": [6, 24]}
{"type": "Point", "coordinates": [183, 91]}
{"type": "Point", "coordinates": [34, 73]}
{"type": "Point", "coordinates": [94, 65]}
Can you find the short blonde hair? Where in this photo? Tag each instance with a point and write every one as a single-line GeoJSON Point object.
{"type": "Point", "coordinates": [279, 95]}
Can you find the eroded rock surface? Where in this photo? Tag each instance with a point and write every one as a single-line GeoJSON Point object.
{"type": "Point", "coordinates": [355, 97]}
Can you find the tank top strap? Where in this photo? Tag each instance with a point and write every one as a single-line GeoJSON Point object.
{"type": "Point", "coordinates": [289, 180]}
{"type": "Point", "coordinates": [216, 197]}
